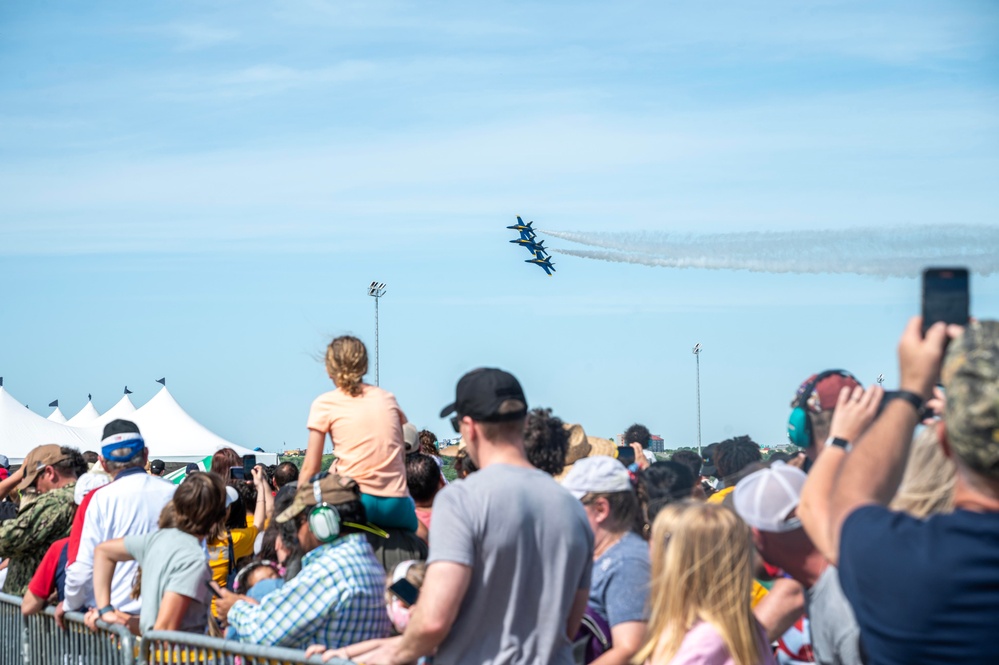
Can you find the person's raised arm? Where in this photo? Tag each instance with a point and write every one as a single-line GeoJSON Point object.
{"type": "Point", "coordinates": [873, 470]}
{"type": "Point", "coordinates": [8, 484]}
{"type": "Point", "coordinates": [313, 461]}
{"type": "Point", "coordinates": [855, 410]}
{"type": "Point", "coordinates": [265, 502]}
{"type": "Point", "coordinates": [780, 608]}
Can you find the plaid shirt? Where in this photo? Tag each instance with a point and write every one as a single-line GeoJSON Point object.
{"type": "Point", "coordinates": [338, 599]}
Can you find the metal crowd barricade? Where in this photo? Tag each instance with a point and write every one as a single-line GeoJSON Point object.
{"type": "Point", "coordinates": [13, 631]}
{"type": "Point", "coordinates": [47, 643]}
{"type": "Point", "coordinates": [163, 647]}
{"type": "Point", "coordinates": [38, 640]}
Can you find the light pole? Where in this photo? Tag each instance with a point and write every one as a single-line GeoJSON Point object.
{"type": "Point", "coordinates": [376, 291]}
{"type": "Point", "coordinates": [697, 359]}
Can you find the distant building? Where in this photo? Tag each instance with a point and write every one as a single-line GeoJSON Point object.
{"type": "Point", "coordinates": [656, 443]}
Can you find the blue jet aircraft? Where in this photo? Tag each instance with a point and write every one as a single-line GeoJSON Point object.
{"type": "Point", "coordinates": [532, 246]}
{"type": "Point", "coordinates": [526, 230]}
{"type": "Point", "coordinates": [543, 262]}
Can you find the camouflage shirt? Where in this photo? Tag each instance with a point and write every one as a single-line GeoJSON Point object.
{"type": "Point", "coordinates": [27, 537]}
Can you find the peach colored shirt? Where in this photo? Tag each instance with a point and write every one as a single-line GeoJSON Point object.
{"type": "Point", "coordinates": [367, 438]}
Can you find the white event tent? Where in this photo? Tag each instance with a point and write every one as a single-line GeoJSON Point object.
{"type": "Point", "coordinates": [21, 429]}
{"type": "Point", "coordinates": [84, 416]}
{"type": "Point", "coordinates": [57, 416]}
{"type": "Point", "coordinates": [171, 434]}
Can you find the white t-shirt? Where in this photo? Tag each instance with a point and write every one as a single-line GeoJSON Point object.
{"type": "Point", "coordinates": [130, 506]}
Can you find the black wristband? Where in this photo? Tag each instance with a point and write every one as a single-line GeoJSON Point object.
{"type": "Point", "coordinates": [912, 398]}
{"type": "Point", "coordinates": [104, 610]}
{"type": "Point", "coordinates": [838, 442]}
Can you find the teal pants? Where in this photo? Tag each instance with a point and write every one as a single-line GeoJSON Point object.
{"type": "Point", "coordinates": [390, 512]}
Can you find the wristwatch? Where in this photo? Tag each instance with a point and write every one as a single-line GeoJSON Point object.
{"type": "Point", "coordinates": [912, 398]}
{"type": "Point", "coordinates": [104, 610]}
{"type": "Point", "coordinates": [838, 442]}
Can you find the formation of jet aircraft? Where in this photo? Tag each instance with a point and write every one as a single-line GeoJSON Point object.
{"type": "Point", "coordinates": [529, 239]}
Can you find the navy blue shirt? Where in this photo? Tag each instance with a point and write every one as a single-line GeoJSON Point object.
{"type": "Point", "coordinates": [60, 576]}
{"type": "Point", "coordinates": [923, 591]}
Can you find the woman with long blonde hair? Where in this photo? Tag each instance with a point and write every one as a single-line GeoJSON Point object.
{"type": "Point", "coordinates": [365, 424]}
{"type": "Point", "coordinates": [701, 587]}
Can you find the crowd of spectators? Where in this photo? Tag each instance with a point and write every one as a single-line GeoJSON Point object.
{"type": "Point", "coordinates": [876, 543]}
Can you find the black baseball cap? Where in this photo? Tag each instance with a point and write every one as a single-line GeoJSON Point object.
{"type": "Point", "coordinates": [157, 465]}
{"type": "Point", "coordinates": [488, 394]}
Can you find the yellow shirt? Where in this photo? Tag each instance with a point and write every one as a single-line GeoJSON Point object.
{"type": "Point", "coordinates": [720, 495]}
{"type": "Point", "coordinates": [218, 554]}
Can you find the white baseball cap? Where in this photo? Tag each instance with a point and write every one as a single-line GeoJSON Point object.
{"type": "Point", "coordinates": [766, 498]}
{"type": "Point", "coordinates": [600, 474]}
{"type": "Point", "coordinates": [410, 438]}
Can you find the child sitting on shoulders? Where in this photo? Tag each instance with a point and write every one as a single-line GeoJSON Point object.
{"type": "Point", "coordinates": [364, 423]}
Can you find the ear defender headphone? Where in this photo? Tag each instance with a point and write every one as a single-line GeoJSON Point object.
{"type": "Point", "coordinates": [799, 425]}
{"type": "Point", "coordinates": [324, 519]}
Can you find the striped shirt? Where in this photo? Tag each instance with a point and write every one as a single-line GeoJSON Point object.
{"type": "Point", "coordinates": [338, 599]}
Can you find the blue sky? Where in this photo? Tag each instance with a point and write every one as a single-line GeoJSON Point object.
{"type": "Point", "coordinates": [204, 190]}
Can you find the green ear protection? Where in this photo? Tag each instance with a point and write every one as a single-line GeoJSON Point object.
{"type": "Point", "coordinates": [324, 519]}
{"type": "Point", "coordinates": [799, 425]}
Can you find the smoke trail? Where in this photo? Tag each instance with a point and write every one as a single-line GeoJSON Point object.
{"type": "Point", "coordinates": [885, 252]}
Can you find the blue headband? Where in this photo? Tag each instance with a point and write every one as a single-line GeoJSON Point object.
{"type": "Point", "coordinates": [131, 441]}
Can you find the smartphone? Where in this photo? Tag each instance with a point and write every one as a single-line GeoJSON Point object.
{"type": "Point", "coordinates": [236, 473]}
{"type": "Point", "coordinates": [405, 591]}
{"type": "Point", "coordinates": [945, 296]}
{"type": "Point", "coordinates": [249, 461]}
{"type": "Point", "coordinates": [626, 455]}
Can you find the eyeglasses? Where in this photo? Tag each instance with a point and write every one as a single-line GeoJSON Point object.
{"type": "Point", "coordinates": [456, 423]}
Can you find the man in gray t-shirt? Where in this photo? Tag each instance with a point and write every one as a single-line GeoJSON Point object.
{"type": "Point", "coordinates": [510, 550]}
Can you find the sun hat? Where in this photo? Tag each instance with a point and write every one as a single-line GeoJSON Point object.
{"type": "Point", "coordinates": [582, 446]}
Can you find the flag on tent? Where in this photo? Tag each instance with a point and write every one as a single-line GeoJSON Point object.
{"type": "Point", "coordinates": [177, 477]}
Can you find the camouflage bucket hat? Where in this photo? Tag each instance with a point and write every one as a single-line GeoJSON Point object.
{"type": "Point", "coordinates": [971, 380]}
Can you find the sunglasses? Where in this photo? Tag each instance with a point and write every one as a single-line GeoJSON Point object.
{"type": "Point", "coordinates": [456, 423]}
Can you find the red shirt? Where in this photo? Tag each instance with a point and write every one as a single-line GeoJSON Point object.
{"type": "Point", "coordinates": [76, 531]}
{"type": "Point", "coordinates": [43, 582]}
